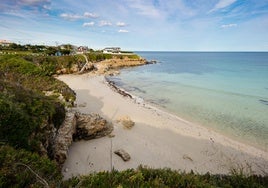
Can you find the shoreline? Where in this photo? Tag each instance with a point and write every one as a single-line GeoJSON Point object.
{"type": "Point", "coordinates": [159, 139]}
{"type": "Point", "coordinates": [155, 106]}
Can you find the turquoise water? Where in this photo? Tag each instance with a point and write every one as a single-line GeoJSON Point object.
{"type": "Point", "coordinates": [227, 92]}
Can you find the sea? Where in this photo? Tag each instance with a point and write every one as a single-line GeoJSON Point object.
{"type": "Point", "coordinates": [224, 91]}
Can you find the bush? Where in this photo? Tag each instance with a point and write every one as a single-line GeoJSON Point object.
{"type": "Point", "coordinates": [146, 177]}
{"type": "Point", "coordinates": [20, 168]}
{"type": "Point", "coordinates": [16, 64]}
{"type": "Point", "coordinates": [23, 112]}
{"type": "Point", "coordinates": [98, 56]}
{"type": "Point", "coordinates": [26, 114]}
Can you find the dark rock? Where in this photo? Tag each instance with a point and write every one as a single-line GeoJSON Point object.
{"type": "Point", "coordinates": [151, 62]}
{"type": "Point", "coordinates": [117, 89]}
{"type": "Point", "coordinates": [263, 102]}
{"type": "Point", "coordinates": [123, 154]}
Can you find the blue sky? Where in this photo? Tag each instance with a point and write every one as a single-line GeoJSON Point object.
{"type": "Point", "coordinates": [165, 25]}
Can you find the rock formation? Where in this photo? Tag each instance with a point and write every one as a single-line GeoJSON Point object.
{"type": "Point", "coordinates": [123, 154]}
{"type": "Point", "coordinates": [77, 126]}
{"type": "Point", "coordinates": [90, 126]}
{"type": "Point", "coordinates": [64, 137]}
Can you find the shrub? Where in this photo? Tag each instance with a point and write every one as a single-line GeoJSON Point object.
{"type": "Point", "coordinates": [146, 177]}
{"type": "Point", "coordinates": [23, 112]}
{"type": "Point", "coordinates": [20, 168]}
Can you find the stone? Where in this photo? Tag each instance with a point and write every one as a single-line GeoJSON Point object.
{"type": "Point", "coordinates": [126, 122]}
{"type": "Point", "coordinates": [90, 126]}
{"type": "Point", "coordinates": [186, 157]}
{"type": "Point", "coordinates": [123, 154]}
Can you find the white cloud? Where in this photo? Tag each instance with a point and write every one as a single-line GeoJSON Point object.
{"type": "Point", "coordinates": [121, 24]}
{"type": "Point", "coordinates": [33, 2]}
{"type": "Point", "coordinates": [88, 24]}
{"type": "Point", "coordinates": [16, 5]}
{"type": "Point", "coordinates": [145, 8]}
{"type": "Point", "coordinates": [73, 17]}
{"type": "Point", "coordinates": [228, 25]}
{"type": "Point", "coordinates": [105, 23]}
{"type": "Point", "coordinates": [123, 31]}
{"type": "Point", "coordinates": [222, 4]}
{"type": "Point", "coordinates": [70, 17]}
{"type": "Point", "coordinates": [90, 15]}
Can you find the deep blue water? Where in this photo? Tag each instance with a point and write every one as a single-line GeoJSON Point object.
{"type": "Point", "coordinates": [225, 91]}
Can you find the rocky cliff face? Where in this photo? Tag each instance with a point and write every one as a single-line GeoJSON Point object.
{"type": "Point", "coordinates": [64, 137]}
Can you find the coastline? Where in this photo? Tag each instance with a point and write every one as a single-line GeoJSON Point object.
{"type": "Point", "coordinates": [157, 140]}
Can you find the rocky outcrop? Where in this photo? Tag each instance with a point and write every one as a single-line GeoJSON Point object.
{"type": "Point", "coordinates": [90, 126]}
{"type": "Point", "coordinates": [77, 126]}
{"type": "Point", "coordinates": [123, 154]}
{"type": "Point", "coordinates": [64, 137]}
{"type": "Point", "coordinates": [111, 66]}
{"type": "Point", "coordinates": [76, 69]}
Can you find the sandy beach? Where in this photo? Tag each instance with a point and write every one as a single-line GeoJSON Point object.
{"type": "Point", "coordinates": [157, 140]}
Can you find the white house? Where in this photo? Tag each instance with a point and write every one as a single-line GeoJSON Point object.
{"type": "Point", "coordinates": [112, 50]}
{"type": "Point", "coordinates": [5, 43]}
{"type": "Point", "coordinates": [82, 49]}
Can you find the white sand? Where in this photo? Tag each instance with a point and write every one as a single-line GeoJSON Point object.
{"type": "Point", "coordinates": [157, 140]}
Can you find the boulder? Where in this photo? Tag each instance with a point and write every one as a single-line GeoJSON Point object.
{"type": "Point", "coordinates": [90, 126]}
{"type": "Point", "coordinates": [123, 154]}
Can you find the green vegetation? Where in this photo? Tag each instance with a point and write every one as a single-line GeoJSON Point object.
{"type": "Point", "coordinates": [145, 177]}
{"type": "Point", "coordinates": [37, 49]}
{"type": "Point", "coordinates": [24, 108]}
{"type": "Point", "coordinates": [20, 168]}
{"type": "Point", "coordinates": [27, 120]}
{"type": "Point", "coordinates": [33, 75]}
{"type": "Point", "coordinates": [98, 56]}
{"type": "Point", "coordinates": [22, 114]}
{"type": "Point", "coordinates": [132, 56]}
{"type": "Point", "coordinates": [50, 64]}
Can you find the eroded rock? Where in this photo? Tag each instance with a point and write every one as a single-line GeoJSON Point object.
{"type": "Point", "coordinates": [91, 126]}
{"type": "Point", "coordinates": [64, 137]}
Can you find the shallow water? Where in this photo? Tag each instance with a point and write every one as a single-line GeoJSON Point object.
{"type": "Point", "coordinates": [227, 92]}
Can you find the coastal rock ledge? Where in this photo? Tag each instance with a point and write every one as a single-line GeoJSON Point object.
{"type": "Point", "coordinates": [77, 126]}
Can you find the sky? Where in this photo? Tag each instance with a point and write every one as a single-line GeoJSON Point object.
{"type": "Point", "coordinates": [137, 25]}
